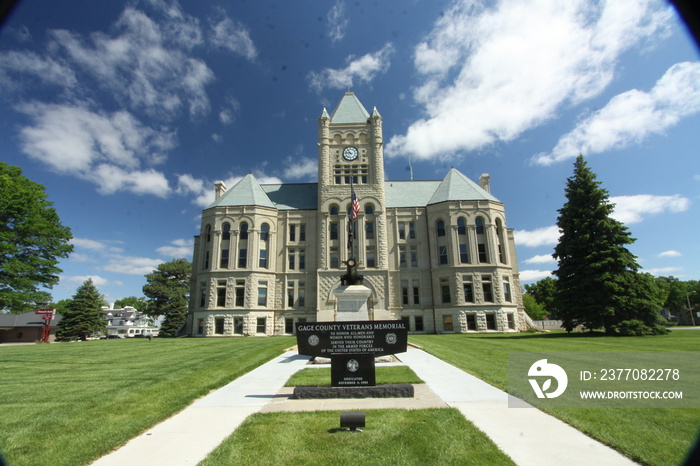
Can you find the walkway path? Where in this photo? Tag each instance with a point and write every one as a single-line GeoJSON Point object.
{"type": "Point", "coordinates": [527, 435]}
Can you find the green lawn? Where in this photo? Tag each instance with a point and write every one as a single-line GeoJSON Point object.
{"type": "Point", "coordinates": [391, 436]}
{"type": "Point", "coordinates": [384, 375]}
{"type": "Point", "coordinates": [651, 436]}
{"type": "Point", "coordinates": [70, 403]}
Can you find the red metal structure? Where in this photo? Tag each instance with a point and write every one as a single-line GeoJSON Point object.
{"type": "Point", "coordinates": [47, 316]}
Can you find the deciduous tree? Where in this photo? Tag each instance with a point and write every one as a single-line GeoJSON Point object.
{"type": "Point", "coordinates": [32, 240]}
{"type": "Point", "coordinates": [167, 290]}
{"type": "Point", "coordinates": [544, 291]}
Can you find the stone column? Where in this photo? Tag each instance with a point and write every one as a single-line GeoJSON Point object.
{"type": "Point", "coordinates": [352, 302]}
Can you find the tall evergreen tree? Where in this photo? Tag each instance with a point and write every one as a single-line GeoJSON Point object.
{"type": "Point", "coordinates": [595, 269]}
{"type": "Point", "coordinates": [168, 289]}
{"type": "Point", "coordinates": [82, 316]}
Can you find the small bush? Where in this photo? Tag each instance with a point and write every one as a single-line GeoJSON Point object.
{"type": "Point", "coordinates": [634, 327]}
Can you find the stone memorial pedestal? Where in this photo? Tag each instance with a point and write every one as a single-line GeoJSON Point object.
{"type": "Point", "coordinates": [352, 303]}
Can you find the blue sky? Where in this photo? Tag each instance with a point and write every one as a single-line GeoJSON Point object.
{"type": "Point", "coordinates": [129, 111]}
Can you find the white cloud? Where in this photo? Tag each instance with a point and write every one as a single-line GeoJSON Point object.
{"type": "Point", "coordinates": [179, 248]}
{"type": "Point", "coordinates": [540, 259]}
{"type": "Point", "coordinates": [95, 246]}
{"type": "Point", "coordinates": [301, 167]}
{"type": "Point", "coordinates": [545, 236]}
{"type": "Point", "coordinates": [202, 190]}
{"type": "Point", "coordinates": [633, 209]}
{"type": "Point", "coordinates": [106, 149]}
{"type": "Point", "coordinates": [29, 64]}
{"type": "Point", "coordinates": [131, 265]}
{"type": "Point", "coordinates": [337, 22]}
{"type": "Point", "coordinates": [632, 116]}
{"type": "Point", "coordinates": [662, 271]}
{"type": "Point", "coordinates": [362, 69]}
{"type": "Point", "coordinates": [534, 275]}
{"type": "Point", "coordinates": [96, 279]}
{"type": "Point", "coordinates": [670, 253]}
{"type": "Point", "coordinates": [233, 36]}
{"type": "Point", "coordinates": [490, 73]}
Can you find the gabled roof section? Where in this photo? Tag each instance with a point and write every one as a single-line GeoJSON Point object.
{"type": "Point", "coordinates": [349, 110]}
{"type": "Point", "coordinates": [246, 192]}
{"type": "Point", "coordinates": [457, 187]}
{"type": "Point", "coordinates": [302, 196]}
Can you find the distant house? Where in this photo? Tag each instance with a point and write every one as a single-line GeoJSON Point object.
{"type": "Point", "coordinates": [25, 328]}
{"type": "Point", "coordinates": [128, 322]}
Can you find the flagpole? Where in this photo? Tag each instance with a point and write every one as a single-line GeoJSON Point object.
{"type": "Point", "coordinates": [353, 218]}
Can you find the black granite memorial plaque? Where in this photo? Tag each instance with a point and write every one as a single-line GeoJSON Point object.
{"type": "Point", "coordinates": [376, 337]}
{"type": "Point", "coordinates": [352, 370]}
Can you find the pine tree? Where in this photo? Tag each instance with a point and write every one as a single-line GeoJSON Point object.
{"type": "Point", "coordinates": [83, 315]}
{"type": "Point", "coordinates": [596, 270]}
{"type": "Point", "coordinates": [167, 290]}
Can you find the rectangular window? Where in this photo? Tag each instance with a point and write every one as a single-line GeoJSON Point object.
{"type": "Point", "coordinates": [486, 287]}
{"type": "Point", "coordinates": [463, 255]}
{"type": "Point", "coordinates": [262, 294]}
{"type": "Point", "coordinates": [511, 321]}
{"type": "Point", "coordinates": [411, 230]}
{"type": "Point", "coordinates": [263, 258]}
{"type": "Point", "coordinates": [445, 290]}
{"type": "Point", "coordinates": [371, 259]}
{"type": "Point", "coordinates": [419, 323]}
{"type": "Point", "coordinates": [302, 232]}
{"type": "Point", "coordinates": [292, 233]}
{"type": "Point", "coordinates": [302, 259]}
{"type": "Point", "coordinates": [414, 256]}
{"type": "Point", "coordinates": [205, 265]}
{"type": "Point", "coordinates": [261, 324]}
{"type": "Point", "coordinates": [243, 258]}
{"type": "Point", "coordinates": [404, 291]}
{"type": "Point", "coordinates": [203, 294]}
{"type": "Point", "coordinates": [442, 255]}
{"type": "Point", "coordinates": [288, 325]}
{"type": "Point", "coordinates": [238, 325]}
{"type": "Point", "coordinates": [221, 293]}
{"type": "Point", "coordinates": [402, 256]}
{"type": "Point", "coordinates": [490, 321]}
{"type": "Point", "coordinates": [416, 292]}
{"type": "Point", "coordinates": [333, 230]}
{"type": "Point", "coordinates": [447, 324]}
{"type": "Point", "coordinates": [334, 258]}
{"type": "Point", "coordinates": [240, 293]}
{"type": "Point", "coordinates": [219, 326]}
{"type": "Point", "coordinates": [369, 230]}
{"type": "Point", "coordinates": [301, 299]}
{"type": "Point", "coordinates": [468, 287]}
{"type": "Point", "coordinates": [471, 322]}
{"type": "Point", "coordinates": [200, 326]}
{"type": "Point", "coordinates": [292, 259]}
{"type": "Point", "coordinates": [506, 289]}
{"type": "Point", "coordinates": [402, 230]}
{"type": "Point", "coordinates": [483, 258]}
{"type": "Point", "coordinates": [224, 259]}
{"type": "Point", "coordinates": [290, 294]}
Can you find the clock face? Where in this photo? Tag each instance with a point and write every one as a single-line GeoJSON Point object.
{"type": "Point", "coordinates": [350, 153]}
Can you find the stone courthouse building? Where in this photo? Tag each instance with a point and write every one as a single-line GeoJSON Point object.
{"type": "Point", "coordinates": [435, 253]}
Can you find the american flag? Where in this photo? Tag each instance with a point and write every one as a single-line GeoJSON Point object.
{"type": "Point", "coordinates": [355, 205]}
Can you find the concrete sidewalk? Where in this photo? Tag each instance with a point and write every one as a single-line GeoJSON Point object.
{"type": "Point", "coordinates": [527, 435]}
{"type": "Point", "coordinates": [189, 436]}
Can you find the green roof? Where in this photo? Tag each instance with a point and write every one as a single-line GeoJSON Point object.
{"type": "Point", "coordinates": [247, 192]}
{"type": "Point", "coordinates": [349, 110]}
{"type": "Point", "coordinates": [304, 196]}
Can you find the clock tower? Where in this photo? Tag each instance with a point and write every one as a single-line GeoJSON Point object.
{"type": "Point", "coordinates": [350, 156]}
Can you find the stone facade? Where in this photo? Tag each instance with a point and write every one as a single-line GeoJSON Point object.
{"type": "Point", "coordinates": [436, 253]}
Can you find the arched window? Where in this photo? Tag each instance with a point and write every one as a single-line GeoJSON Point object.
{"type": "Point", "coordinates": [500, 241]}
{"type": "Point", "coordinates": [462, 239]}
{"type": "Point", "coordinates": [481, 241]}
{"type": "Point", "coordinates": [440, 226]}
{"type": "Point", "coordinates": [225, 245]}
{"type": "Point", "coordinates": [264, 244]}
{"type": "Point", "coordinates": [243, 246]}
{"type": "Point", "coordinates": [208, 233]}
{"type": "Point", "coordinates": [369, 209]}
{"type": "Point", "coordinates": [441, 242]}
{"type": "Point", "coordinates": [333, 209]}
{"type": "Point", "coordinates": [207, 236]}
